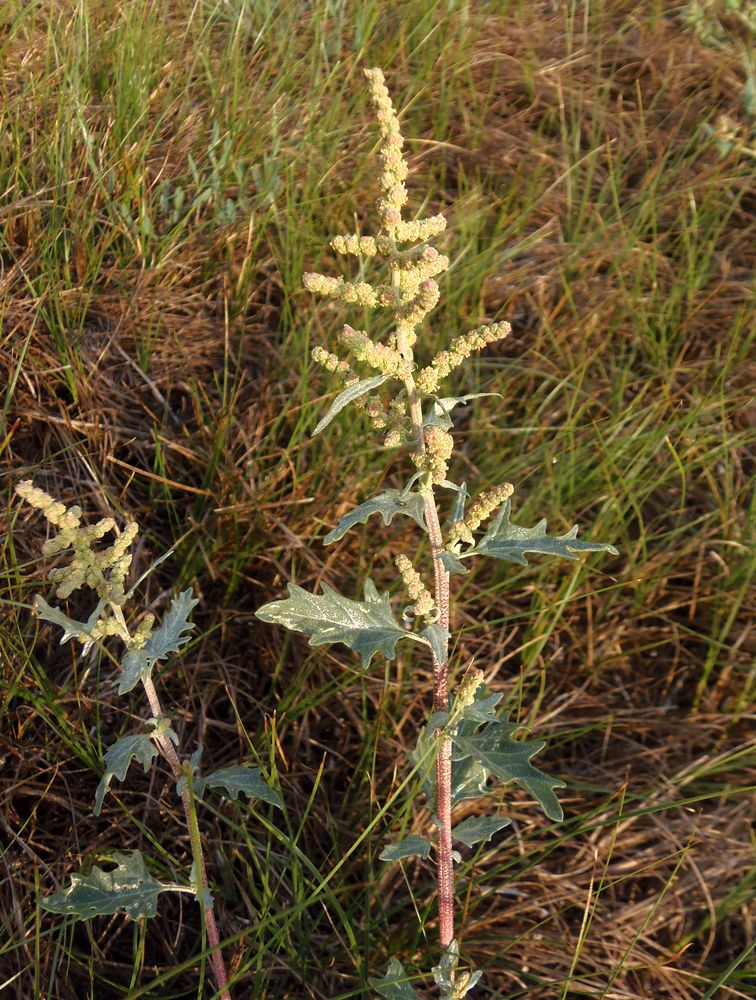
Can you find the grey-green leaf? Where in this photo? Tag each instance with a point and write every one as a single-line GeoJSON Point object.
{"type": "Point", "coordinates": [475, 829]}
{"type": "Point", "coordinates": [169, 638]}
{"type": "Point", "coordinates": [505, 540]}
{"type": "Point", "coordinates": [453, 564]}
{"type": "Point", "coordinates": [238, 779]}
{"type": "Point", "coordinates": [439, 414]}
{"type": "Point", "coordinates": [388, 504]}
{"type": "Point", "coordinates": [443, 973]}
{"type": "Point", "coordinates": [452, 986]}
{"type": "Point", "coordinates": [118, 757]}
{"type": "Point", "coordinates": [347, 396]}
{"type": "Point", "coordinates": [410, 847]}
{"type": "Point", "coordinates": [508, 759]}
{"type": "Point", "coordinates": [438, 640]}
{"type": "Point", "coordinates": [469, 780]}
{"type": "Point", "coordinates": [394, 985]}
{"type": "Point", "coordinates": [129, 887]}
{"type": "Point", "coordinates": [71, 629]}
{"type": "Point", "coordinates": [368, 627]}
{"type": "Point", "coordinates": [482, 708]}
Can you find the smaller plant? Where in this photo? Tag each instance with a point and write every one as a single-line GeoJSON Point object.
{"type": "Point", "coordinates": [130, 887]}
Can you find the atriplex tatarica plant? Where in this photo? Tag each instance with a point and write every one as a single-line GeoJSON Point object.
{"type": "Point", "coordinates": [464, 738]}
{"type": "Point", "coordinates": [130, 887]}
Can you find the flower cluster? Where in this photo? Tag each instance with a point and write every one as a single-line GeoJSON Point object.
{"type": "Point", "coordinates": [359, 246]}
{"type": "Point", "coordinates": [384, 359]}
{"type": "Point", "coordinates": [423, 603]}
{"type": "Point", "coordinates": [460, 349]}
{"type": "Point", "coordinates": [333, 363]}
{"type": "Point", "coordinates": [439, 445]}
{"type": "Point", "coordinates": [478, 511]}
{"type": "Point", "coordinates": [394, 165]}
{"type": "Point", "coordinates": [104, 571]}
{"type": "Point", "coordinates": [465, 696]}
{"type": "Point", "coordinates": [360, 293]}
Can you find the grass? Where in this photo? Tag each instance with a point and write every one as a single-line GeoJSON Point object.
{"type": "Point", "coordinates": [168, 173]}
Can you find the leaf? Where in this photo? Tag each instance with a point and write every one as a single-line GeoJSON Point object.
{"type": "Point", "coordinates": [368, 626]}
{"type": "Point", "coordinates": [347, 396]}
{"type": "Point", "coordinates": [505, 540]}
{"type": "Point", "coordinates": [460, 500]}
{"type": "Point", "coordinates": [443, 972]}
{"type": "Point", "coordinates": [388, 504]}
{"type": "Point", "coordinates": [169, 638]}
{"type": "Point", "coordinates": [394, 985]}
{"type": "Point", "coordinates": [118, 757]}
{"type": "Point", "coordinates": [410, 847]}
{"type": "Point", "coordinates": [469, 780]}
{"type": "Point", "coordinates": [453, 985]}
{"type": "Point", "coordinates": [482, 708]}
{"type": "Point", "coordinates": [509, 760]}
{"type": "Point", "coordinates": [439, 413]}
{"type": "Point", "coordinates": [129, 887]}
{"type": "Point", "coordinates": [452, 563]}
{"type": "Point", "coordinates": [438, 639]}
{"type": "Point", "coordinates": [475, 829]}
{"type": "Point", "coordinates": [71, 628]}
{"type": "Point", "coordinates": [238, 779]}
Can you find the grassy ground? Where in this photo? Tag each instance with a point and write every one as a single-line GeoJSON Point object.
{"type": "Point", "coordinates": [168, 171]}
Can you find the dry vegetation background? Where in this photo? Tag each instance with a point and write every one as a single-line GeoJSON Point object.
{"type": "Point", "coordinates": [168, 171]}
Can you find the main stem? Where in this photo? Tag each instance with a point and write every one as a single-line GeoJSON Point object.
{"type": "Point", "coordinates": [190, 815]}
{"type": "Point", "coordinates": [445, 863]}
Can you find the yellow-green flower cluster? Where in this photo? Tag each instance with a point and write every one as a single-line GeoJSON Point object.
{"type": "Point", "coordinates": [460, 349]}
{"type": "Point", "coordinates": [384, 359]}
{"type": "Point", "coordinates": [333, 363]}
{"type": "Point", "coordinates": [414, 311]}
{"type": "Point", "coordinates": [394, 166]}
{"type": "Point", "coordinates": [416, 269]}
{"type": "Point", "coordinates": [423, 603]}
{"type": "Point", "coordinates": [143, 632]}
{"type": "Point", "coordinates": [439, 445]}
{"type": "Point", "coordinates": [478, 511]}
{"type": "Point", "coordinates": [105, 571]}
{"type": "Point", "coordinates": [356, 293]}
{"type": "Point", "coordinates": [359, 246]}
{"type": "Point", "coordinates": [469, 684]}
{"type": "Point", "coordinates": [420, 229]}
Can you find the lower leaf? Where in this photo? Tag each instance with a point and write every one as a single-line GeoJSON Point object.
{"type": "Point", "coordinates": [129, 887]}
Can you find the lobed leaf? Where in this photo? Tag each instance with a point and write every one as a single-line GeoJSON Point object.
{"type": "Point", "coordinates": [505, 540]}
{"type": "Point", "coordinates": [347, 396]}
{"type": "Point", "coordinates": [475, 829]}
{"type": "Point", "coordinates": [129, 887]}
{"type": "Point", "coordinates": [368, 627]}
{"type": "Point", "coordinates": [410, 847]}
{"type": "Point", "coordinates": [394, 985]}
{"type": "Point", "coordinates": [388, 504]}
{"type": "Point", "coordinates": [72, 629]}
{"type": "Point", "coordinates": [118, 758]}
{"type": "Point", "coordinates": [239, 779]}
{"type": "Point", "coordinates": [509, 760]}
{"type": "Point", "coordinates": [169, 638]}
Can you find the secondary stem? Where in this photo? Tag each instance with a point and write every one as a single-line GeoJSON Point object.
{"type": "Point", "coordinates": [190, 815]}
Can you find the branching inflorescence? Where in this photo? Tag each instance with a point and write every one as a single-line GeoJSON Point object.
{"type": "Point", "coordinates": [465, 742]}
{"type": "Point", "coordinates": [130, 887]}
